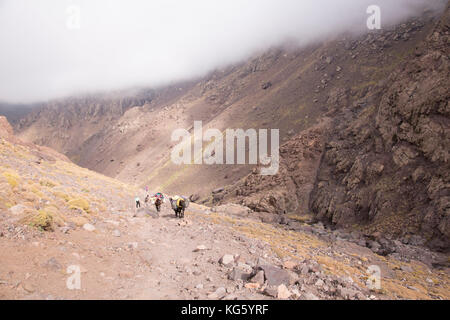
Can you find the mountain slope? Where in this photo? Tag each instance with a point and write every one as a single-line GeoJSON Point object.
{"type": "Point", "coordinates": [378, 163]}
{"type": "Point", "coordinates": [40, 185]}
{"type": "Point", "coordinates": [290, 89]}
{"type": "Point", "coordinates": [387, 163]}
{"type": "Point", "coordinates": [59, 223]}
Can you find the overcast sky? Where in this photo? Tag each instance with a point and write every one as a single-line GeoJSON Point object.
{"type": "Point", "coordinates": [124, 43]}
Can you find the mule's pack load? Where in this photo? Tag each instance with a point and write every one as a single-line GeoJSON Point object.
{"type": "Point", "coordinates": [174, 202]}
{"type": "Point", "coordinates": [160, 196]}
{"type": "Point", "coordinates": [186, 201]}
{"type": "Point", "coordinates": [181, 203]}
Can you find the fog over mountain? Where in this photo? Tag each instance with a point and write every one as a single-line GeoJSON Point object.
{"type": "Point", "coordinates": [53, 48]}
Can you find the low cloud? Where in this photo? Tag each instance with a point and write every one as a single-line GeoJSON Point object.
{"type": "Point", "coordinates": [53, 48]}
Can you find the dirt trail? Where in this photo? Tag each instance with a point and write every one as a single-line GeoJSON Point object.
{"type": "Point", "coordinates": [150, 256]}
{"type": "Point", "coordinates": [126, 257]}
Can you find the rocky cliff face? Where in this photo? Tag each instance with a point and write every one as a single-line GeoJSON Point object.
{"type": "Point", "coordinates": [378, 161]}
{"type": "Point", "coordinates": [386, 165]}
{"type": "Point", "coordinates": [66, 123]}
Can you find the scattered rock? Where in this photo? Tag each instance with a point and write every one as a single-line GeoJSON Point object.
{"type": "Point", "coordinates": [283, 292]}
{"type": "Point", "coordinates": [126, 274]}
{"type": "Point", "coordinates": [251, 285]}
{"type": "Point", "coordinates": [266, 85]}
{"type": "Point", "coordinates": [133, 245]}
{"type": "Point", "coordinates": [275, 276]}
{"type": "Point", "coordinates": [309, 296]}
{"type": "Point", "coordinates": [29, 287]}
{"type": "Point", "coordinates": [199, 286]}
{"type": "Point", "coordinates": [406, 269]}
{"type": "Point", "coordinates": [200, 248]}
{"type": "Point", "coordinates": [347, 293]}
{"type": "Point", "coordinates": [271, 291]}
{"type": "Point", "coordinates": [296, 293]}
{"type": "Point", "coordinates": [65, 230]}
{"type": "Point", "coordinates": [289, 264]}
{"type": "Point", "coordinates": [258, 277]}
{"type": "Point", "coordinates": [218, 190]}
{"type": "Point", "coordinates": [52, 264]}
{"type": "Point", "coordinates": [88, 227]}
{"type": "Point", "coordinates": [227, 260]}
{"type": "Point", "coordinates": [194, 197]}
{"type": "Point", "coordinates": [218, 294]}
{"type": "Point", "coordinates": [238, 274]}
{"type": "Point", "coordinates": [319, 283]}
{"type": "Point", "coordinates": [116, 233]}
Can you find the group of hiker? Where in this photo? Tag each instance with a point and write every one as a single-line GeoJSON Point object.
{"type": "Point", "coordinates": [178, 203]}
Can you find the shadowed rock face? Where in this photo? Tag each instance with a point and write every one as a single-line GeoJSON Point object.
{"type": "Point", "coordinates": [386, 165]}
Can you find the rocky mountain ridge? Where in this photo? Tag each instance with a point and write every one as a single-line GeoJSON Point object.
{"type": "Point", "coordinates": [364, 133]}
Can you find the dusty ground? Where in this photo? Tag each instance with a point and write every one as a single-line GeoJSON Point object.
{"type": "Point", "coordinates": [153, 257]}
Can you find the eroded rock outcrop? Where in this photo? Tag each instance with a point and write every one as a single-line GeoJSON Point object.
{"type": "Point", "coordinates": [386, 166]}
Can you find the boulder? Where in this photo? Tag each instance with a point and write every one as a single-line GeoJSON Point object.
{"type": "Point", "coordinates": [238, 274]}
{"type": "Point", "coordinates": [275, 276]}
{"type": "Point", "coordinates": [258, 277]}
{"type": "Point", "coordinates": [227, 260]}
{"type": "Point", "coordinates": [271, 291]}
{"type": "Point", "coordinates": [266, 85]}
{"type": "Point", "coordinates": [194, 197]}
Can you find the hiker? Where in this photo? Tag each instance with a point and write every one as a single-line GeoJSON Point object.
{"type": "Point", "coordinates": [178, 205]}
{"type": "Point", "coordinates": [147, 198]}
{"type": "Point", "coordinates": [138, 202]}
